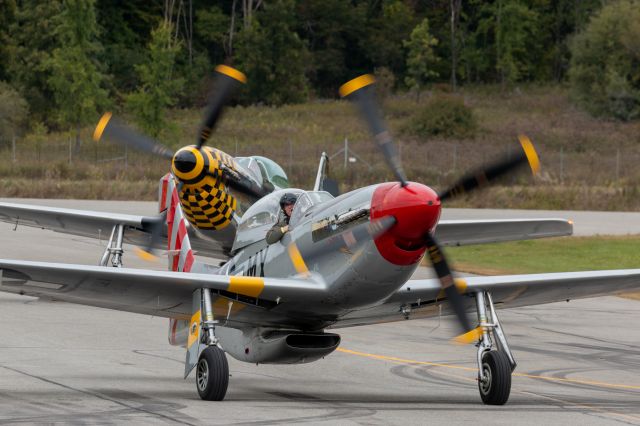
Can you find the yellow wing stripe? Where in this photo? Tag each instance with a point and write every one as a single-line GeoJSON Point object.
{"type": "Point", "coordinates": [232, 72]}
{"type": "Point", "coordinates": [530, 152]}
{"type": "Point", "coordinates": [247, 286]}
{"type": "Point", "coordinates": [356, 84]}
{"type": "Point", "coordinates": [102, 124]}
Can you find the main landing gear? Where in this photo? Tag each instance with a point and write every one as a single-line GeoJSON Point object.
{"type": "Point", "coordinates": [114, 248]}
{"type": "Point", "coordinates": [495, 360]}
{"type": "Point", "coordinates": [203, 352]}
{"type": "Point", "coordinates": [212, 374]}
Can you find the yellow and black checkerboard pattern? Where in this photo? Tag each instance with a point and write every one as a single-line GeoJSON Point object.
{"type": "Point", "coordinates": [206, 203]}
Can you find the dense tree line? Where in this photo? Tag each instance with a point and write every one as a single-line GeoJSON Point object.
{"type": "Point", "coordinates": [70, 59]}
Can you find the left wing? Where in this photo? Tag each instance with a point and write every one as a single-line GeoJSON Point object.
{"type": "Point", "coordinates": [254, 300]}
{"type": "Point", "coordinates": [422, 298]}
{"type": "Point", "coordinates": [465, 232]}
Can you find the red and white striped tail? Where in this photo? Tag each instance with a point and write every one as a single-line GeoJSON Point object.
{"type": "Point", "coordinates": [179, 250]}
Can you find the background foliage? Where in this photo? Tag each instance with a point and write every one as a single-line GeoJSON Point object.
{"type": "Point", "coordinates": [70, 59]}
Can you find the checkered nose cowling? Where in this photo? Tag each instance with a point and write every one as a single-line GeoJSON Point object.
{"type": "Point", "coordinates": [203, 196]}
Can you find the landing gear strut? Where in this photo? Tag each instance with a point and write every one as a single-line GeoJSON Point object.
{"type": "Point", "coordinates": [204, 352]}
{"type": "Point", "coordinates": [114, 248]}
{"type": "Point", "coordinates": [495, 360]}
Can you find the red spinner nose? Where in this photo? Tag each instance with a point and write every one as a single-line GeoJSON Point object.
{"type": "Point", "coordinates": [416, 208]}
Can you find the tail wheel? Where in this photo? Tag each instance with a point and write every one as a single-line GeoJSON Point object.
{"type": "Point", "coordinates": [212, 374]}
{"type": "Point", "coordinates": [496, 387]}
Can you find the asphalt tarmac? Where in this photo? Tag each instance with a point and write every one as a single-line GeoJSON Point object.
{"type": "Point", "coordinates": [579, 362]}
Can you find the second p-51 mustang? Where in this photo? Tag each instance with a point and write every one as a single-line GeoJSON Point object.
{"type": "Point", "coordinates": [337, 261]}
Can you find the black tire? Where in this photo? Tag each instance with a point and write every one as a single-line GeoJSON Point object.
{"type": "Point", "coordinates": [212, 374]}
{"type": "Point", "coordinates": [496, 389]}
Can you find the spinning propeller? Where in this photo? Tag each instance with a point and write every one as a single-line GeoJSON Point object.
{"type": "Point", "coordinates": [186, 161]}
{"type": "Point", "coordinates": [360, 90]}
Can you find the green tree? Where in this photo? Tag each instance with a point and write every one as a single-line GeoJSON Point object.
{"type": "Point", "coordinates": [126, 28]}
{"type": "Point", "coordinates": [13, 112]}
{"type": "Point", "coordinates": [34, 40]}
{"type": "Point", "coordinates": [502, 42]}
{"type": "Point", "coordinates": [76, 80]}
{"type": "Point", "coordinates": [605, 63]}
{"type": "Point", "coordinates": [159, 86]}
{"type": "Point", "coordinates": [272, 55]}
{"type": "Point", "coordinates": [420, 57]}
{"type": "Point", "coordinates": [332, 30]}
{"type": "Point", "coordinates": [7, 19]}
{"type": "Point", "coordinates": [386, 34]}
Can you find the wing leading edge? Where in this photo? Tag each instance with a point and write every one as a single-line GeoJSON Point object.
{"type": "Point", "coordinates": [466, 232]}
{"type": "Point", "coordinates": [159, 293]}
{"type": "Point", "coordinates": [94, 224]}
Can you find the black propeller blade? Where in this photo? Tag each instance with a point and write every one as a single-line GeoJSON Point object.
{"type": "Point", "coordinates": [360, 90]}
{"type": "Point", "coordinates": [154, 227]}
{"type": "Point", "coordinates": [483, 176]}
{"type": "Point", "coordinates": [448, 284]}
{"type": "Point", "coordinates": [112, 128]}
{"type": "Point", "coordinates": [228, 80]}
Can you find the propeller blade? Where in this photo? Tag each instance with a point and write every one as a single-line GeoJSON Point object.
{"type": "Point", "coordinates": [112, 128]}
{"type": "Point", "coordinates": [483, 176]}
{"type": "Point", "coordinates": [228, 80]}
{"type": "Point", "coordinates": [154, 226]}
{"type": "Point", "coordinates": [447, 282]}
{"type": "Point", "coordinates": [360, 90]}
{"type": "Point", "coordinates": [347, 239]}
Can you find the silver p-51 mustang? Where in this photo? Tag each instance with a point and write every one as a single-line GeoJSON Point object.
{"type": "Point", "coordinates": [341, 261]}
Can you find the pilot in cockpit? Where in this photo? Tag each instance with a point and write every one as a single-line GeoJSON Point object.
{"type": "Point", "coordinates": [278, 230]}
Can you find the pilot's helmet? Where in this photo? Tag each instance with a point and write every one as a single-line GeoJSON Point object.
{"type": "Point", "coordinates": [288, 199]}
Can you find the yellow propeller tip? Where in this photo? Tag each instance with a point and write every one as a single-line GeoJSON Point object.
{"type": "Point", "coordinates": [297, 260]}
{"type": "Point", "coordinates": [356, 84]}
{"type": "Point", "coordinates": [102, 124]}
{"type": "Point", "coordinates": [145, 255]}
{"type": "Point", "coordinates": [530, 152]}
{"type": "Point", "coordinates": [232, 72]}
{"type": "Point", "coordinates": [468, 337]}
{"type": "Point", "coordinates": [461, 285]}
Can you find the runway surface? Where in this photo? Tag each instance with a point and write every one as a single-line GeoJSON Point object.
{"type": "Point", "coordinates": [579, 362]}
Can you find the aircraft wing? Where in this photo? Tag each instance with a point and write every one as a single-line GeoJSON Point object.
{"type": "Point", "coordinates": [423, 297]}
{"type": "Point", "coordinates": [254, 300]}
{"type": "Point", "coordinates": [466, 232]}
{"type": "Point", "coordinates": [94, 224]}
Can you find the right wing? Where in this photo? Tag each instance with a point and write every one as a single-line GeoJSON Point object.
{"type": "Point", "coordinates": [466, 232]}
{"type": "Point", "coordinates": [423, 298]}
{"type": "Point", "coordinates": [93, 224]}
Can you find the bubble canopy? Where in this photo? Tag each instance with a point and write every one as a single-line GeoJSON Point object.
{"type": "Point", "coordinates": [266, 212]}
{"type": "Point", "coordinates": [265, 170]}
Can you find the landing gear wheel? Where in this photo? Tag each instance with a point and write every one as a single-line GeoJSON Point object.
{"type": "Point", "coordinates": [495, 389]}
{"type": "Point", "coordinates": [212, 374]}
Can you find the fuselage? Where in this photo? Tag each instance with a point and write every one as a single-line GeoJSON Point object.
{"type": "Point", "coordinates": [363, 273]}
